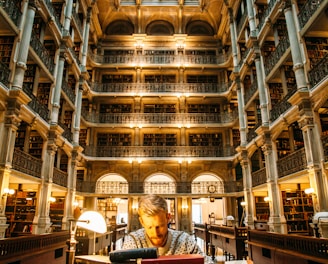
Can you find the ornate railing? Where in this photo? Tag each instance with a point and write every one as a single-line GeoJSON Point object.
{"type": "Point", "coordinates": [276, 55]}
{"type": "Point", "coordinates": [159, 59]}
{"type": "Point", "coordinates": [250, 91]}
{"type": "Point", "coordinates": [60, 177]}
{"type": "Point", "coordinates": [67, 132]}
{"type": "Point", "coordinates": [4, 74]}
{"type": "Point", "coordinates": [251, 134]}
{"type": "Point", "coordinates": [282, 106]}
{"type": "Point", "coordinates": [36, 106]}
{"type": "Point", "coordinates": [74, 55]}
{"type": "Point", "coordinates": [53, 13]}
{"type": "Point", "coordinates": [292, 245]}
{"type": "Point", "coordinates": [26, 163]}
{"type": "Point", "coordinates": [292, 163]}
{"type": "Point", "coordinates": [68, 91]}
{"type": "Point", "coordinates": [242, 21]}
{"type": "Point", "coordinates": [142, 88]}
{"type": "Point", "coordinates": [324, 140]}
{"type": "Point", "coordinates": [259, 177]}
{"type": "Point", "coordinates": [182, 119]}
{"type": "Point", "coordinates": [12, 10]}
{"type": "Point", "coordinates": [236, 232]}
{"type": "Point", "coordinates": [213, 187]}
{"type": "Point", "coordinates": [319, 72]}
{"type": "Point", "coordinates": [158, 151]}
{"type": "Point", "coordinates": [77, 21]}
{"type": "Point", "coordinates": [42, 52]}
{"type": "Point", "coordinates": [307, 11]}
{"type": "Point", "coordinates": [266, 14]}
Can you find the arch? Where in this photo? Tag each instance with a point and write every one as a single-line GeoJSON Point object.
{"type": "Point", "coordinates": [199, 28]}
{"type": "Point", "coordinates": [120, 27]}
{"type": "Point", "coordinates": [160, 28]}
{"type": "Point", "coordinates": [160, 183]}
{"type": "Point", "coordinates": [207, 183]}
{"type": "Point", "coordinates": [112, 183]}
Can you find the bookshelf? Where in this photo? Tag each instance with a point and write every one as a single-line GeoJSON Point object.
{"type": "Point", "coordinates": [160, 78]}
{"type": "Point", "coordinates": [20, 211]}
{"type": "Point", "coordinates": [235, 137]}
{"type": "Point", "coordinates": [29, 76]}
{"type": "Point", "coordinates": [214, 139]}
{"type": "Point", "coordinates": [114, 139]}
{"type": "Point", "coordinates": [201, 52]}
{"type": "Point", "coordinates": [276, 93]}
{"type": "Point", "coordinates": [262, 209]}
{"type": "Point", "coordinates": [117, 78]}
{"type": "Point", "coordinates": [21, 136]}
{"type": "Point", "coordinates": [56, 213]}
{"type": "Point", "coordinates": [202, 79]}
{"type": "Point", "coordinates": [159, 108]}
{"type": "Point", "coordinates": [298, 210]}
{"type": "Point", "coordinates": [43, 93]}
{"type": "Point", "coordinates": [68, 117]}
{"type": "Point", "coordinates": [83, 135]}
{"type": "Point", "coordinates": [6, 48]}
{"type": "Point", "coordinates": [36, 145]}
{"type": "Point", "coordinates": [204, 108]}
{"type": "Point", "coordinates": [160, 140]}
{"type": "Point", "coordinates": [115, 108]}
{"type": "Point", "coordinates": [108, 208]}
{"type": "Point", "coordinates": [159, 52]}
{"type": "Point", "coordinates": [317, 48]}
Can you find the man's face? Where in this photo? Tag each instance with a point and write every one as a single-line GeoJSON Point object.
{"type": "Point", "coordinates": [156, 228]}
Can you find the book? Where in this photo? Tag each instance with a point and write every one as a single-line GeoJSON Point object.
{"type": "Point", "coordinates": [176, 259]}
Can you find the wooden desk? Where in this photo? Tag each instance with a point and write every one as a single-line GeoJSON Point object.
{"type": "Point", "coordinates": [92, 259]}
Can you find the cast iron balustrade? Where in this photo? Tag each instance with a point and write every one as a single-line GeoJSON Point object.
{"type": "Point", "coordinates": [159, 59]}
{"type": "Point", "coordinates": [277, 54]}
{"type": "Point", "coordinates": [145, 88]}
{"type": "Point", "coordinates": [242, 21]}
{"type": "Point", "coordinates": [201, 187]}
{"type": "Point", "coordinates": [77, 22]}
{"type": "Point", "coordinates": [112, 187]}
{"type": "Point", "coordinates": [282, 106]}
{"type": "Point", "coordinates": [324, 140]}
{"type": "Point", "coordinates": [26, 163]}
{"type": "Point", "coordinates": [159, 151]}
{"type": "Point", "coordinates": [4, 74]}
{"type": "Point", "coordinates": [243, 57]}
{"type": "Point", "coordinates": [12, 10]}
{"type": "Point", "coordinates": [294, 162]}
{"type": "Point", "coordinates": [259, 177]}
{"type": "Point", "coordinates": [250, 91]}
{"type": "Point", "coordinates": [266, 14]}
{"type": "Point", "coordinates": [35, 104]}
{"type": "Point", "coordinates": [85, 186]}
{"type": "Point", "coordinates": [68, 91]}
{"type": "Point", "coordinates": [307, 11]}
{"type": "Point", "coordinates": [67, 131]}
{"type": "Point", "coordinates": [251, 134]}
{"type": "Point", "coordinates": [319, 72]}
{"type": "Point", "coordinates": [74, 55]}
{"type": "Point", "coordinates": [178, 119]}
{"type": "Point", "coordinates": [53, 13]}
{"type": "Point", "coordinates": [42, 52]}
{"type": "Point", "coordinates": [60, 177]}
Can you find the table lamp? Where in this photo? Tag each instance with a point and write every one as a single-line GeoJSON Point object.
{"type": "Point", "coordinates": [90, 220]}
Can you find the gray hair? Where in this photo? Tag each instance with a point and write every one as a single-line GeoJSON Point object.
{"type": "Point", "coordinates": [151, 205]}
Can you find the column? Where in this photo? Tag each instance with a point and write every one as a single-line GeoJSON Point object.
{"type": "Point", "coordinates": [85, 42]}
{"type": "Point", "coordinates": [78, 109]}
{"type": "Point", "coordinates": [248, 195]}
{"type": "Point", "coordinates": [277, 221]}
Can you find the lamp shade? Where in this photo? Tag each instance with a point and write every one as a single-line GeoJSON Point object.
{"type": "Point", "coordinates": [92, 221]}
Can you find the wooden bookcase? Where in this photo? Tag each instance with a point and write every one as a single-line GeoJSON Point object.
{"type": "Point", "coordinates": [36, 145]}
{"type": "Point", "coordinates": [159, 52]}
{"type": "Point", "coordinates": [160, 140]}
{"type": "Point", "coordinates": [29, 76]}
{"type": "Point", "coordinates": [108, 208]}
{"type": "Point", "coordinates": [317, 48]}
{"type": "Point", "coordinates": [114, 139]}
{"type": "Point", "coordinates": [115, 108]}
{"type": "Point", "coordinates": [298, 209]}
{"type": "Point", "coordinates": [68, 117]}
{"type": "Point", "coordinates": [235, 137]}
{"type": "Point", "coordinates": [56, 213]}
{"type": "Point", "coordinates": [20, 211]}
{"type": "Point", "coordinates": [276, 93]}
{"type": "Point", "coordinates": [159, 108]}
{"type": "Point", "coordinates": [201, 52]}
{"type": "Point", "coordinates": [43, 93]}
{"type": "Point", "coordinates": [214, 139]}
{"type": "Point", "coordinates": [6, 48]}
{"type": "Point", "coordinates": [262, 209]}
{"type": "Point", "coordinates": [83, 136]}
{"type": "Point", "coordinates": [202, 79]}
{"type": "Point", "coordinates": [160, 78]}
{"type": "Point", "coordinates": [204, 108]}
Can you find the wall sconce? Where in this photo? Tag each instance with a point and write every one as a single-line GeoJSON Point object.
{"type": "Point", "coordinates": [7, 192]}
{"type": "Point", "coordinates": [52, 199]}
{"type": "Point", "coordinates": [243, 204]}
{"type": "Point", "coordinates": [266, 199]}
{"type": "Point", "coordinates": [309, 191]}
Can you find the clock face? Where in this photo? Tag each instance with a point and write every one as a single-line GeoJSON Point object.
{"type": "Point", "coordinates": [211, 189]}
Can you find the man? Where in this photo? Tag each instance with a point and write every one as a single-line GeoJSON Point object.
{"type": "Point", "coordinates": [154, 218]}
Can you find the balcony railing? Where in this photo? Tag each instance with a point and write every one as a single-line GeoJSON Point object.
{"type": "Point", "coordinates": [145, 88]}
{"type": "Point", "coordinates": [53, 13]}
{"type": "Point", "coordinates": [324, 140]}
{"type": "Point", "coordinates": [292, 163]}
{"type": "Point", "coordinates": [42, 52]}
{"type": "Point", "coordinates": [160, 59]}
{"type": "Point", "coordinates": [4, 74]}
{"type": "Point", "coordinates": [266, 14]}
{"type": "Point", "coordinates": [67, 131]}
{"type": "Point", "coordinates": [250, 91]}
{"type": "Point", "coordinates": [159, 152]}
{"type": "Point", "coordinates": [26, 163]}
{"type": "Point", "coordinates": [12, 10]}
{"type": "Point", "coordinates": [36, 106]}
{"type": "Point", "coordinates": [271, 61]}
{"type": "Point", "coordinates": [282, 106]}
{"type": "Point", "coordinates": [307, 11]}
{"type": "Point", "coordinates": [77, 22]}
{"type": "Point", "coordinates": [60, 177]}
{"type": "Point", "coordinates": [181, 119]}
{"type": "Point", "coordinates": [259, 177]}
{"type": "Point", "coordinates": [68, 91]}
{"type": "Point", "coordinates": [319, 71]}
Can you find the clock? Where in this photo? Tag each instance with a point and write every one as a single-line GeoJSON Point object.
{"type": "Point", "coordinates": [211, 189]}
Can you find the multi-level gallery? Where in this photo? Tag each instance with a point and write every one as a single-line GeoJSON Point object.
{"type": "Point", "coordinates": [220, 106]}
